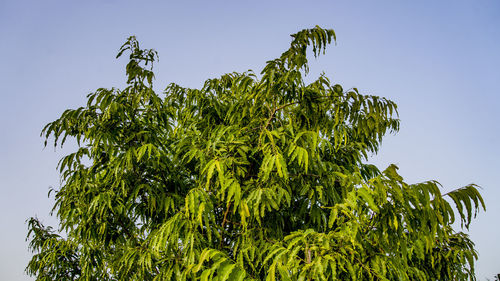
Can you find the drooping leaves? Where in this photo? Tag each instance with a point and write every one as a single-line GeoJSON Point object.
{"type": "Point", "coordinates": [247, 178]}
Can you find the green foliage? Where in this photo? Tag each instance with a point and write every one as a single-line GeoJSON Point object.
{"type": "Point", "coordinates": [251, 177]}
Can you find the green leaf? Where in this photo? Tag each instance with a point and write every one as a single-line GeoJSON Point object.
{"type": "Point", "coordinates": [246, 178]}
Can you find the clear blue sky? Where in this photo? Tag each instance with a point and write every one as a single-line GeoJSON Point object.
{"type": "Point", "coordinates": [439, 60]}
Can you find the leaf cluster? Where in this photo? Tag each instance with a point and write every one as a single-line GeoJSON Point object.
{"type": "Point", "coordinates": [251, 177]}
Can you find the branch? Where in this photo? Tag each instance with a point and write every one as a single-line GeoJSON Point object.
{"type": "Point", "coordinates": [224, 223]}
{"type": "Point", "coordinates": [276, 110]}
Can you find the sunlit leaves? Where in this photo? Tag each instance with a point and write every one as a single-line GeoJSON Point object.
{"type": "Point", "coordinates": [248, 178]}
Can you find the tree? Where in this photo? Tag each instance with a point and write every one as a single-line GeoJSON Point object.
{"type": "Point", "coordinates": [251, 177]}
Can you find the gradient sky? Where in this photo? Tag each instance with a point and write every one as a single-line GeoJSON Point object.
{"type": "Point", "coordinates": [439, 60]}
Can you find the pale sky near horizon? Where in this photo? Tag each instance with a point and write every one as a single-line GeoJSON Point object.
{"type": "Point", "coordinates": [438, 60]}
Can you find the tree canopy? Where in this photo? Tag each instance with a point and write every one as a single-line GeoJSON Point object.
{"type": "Point", "coordinates": [252, 177]}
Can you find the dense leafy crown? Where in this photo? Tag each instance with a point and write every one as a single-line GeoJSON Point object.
{"type": "Point", "coordinates": [252, 177]}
